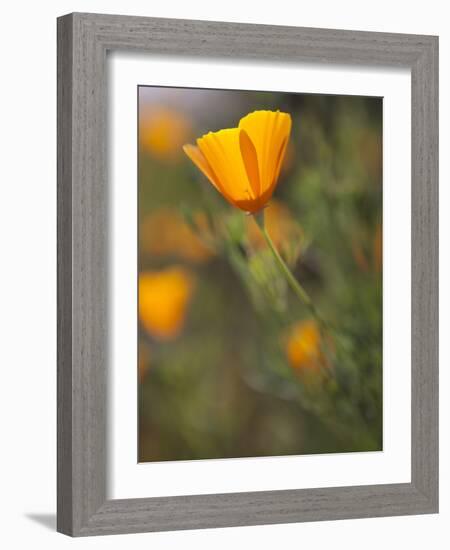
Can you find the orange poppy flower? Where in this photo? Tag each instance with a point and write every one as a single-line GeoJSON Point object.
{"type": "Point", "coordinates": [163, 300]}
{"type": "Point", "coordinates": [165, 233]}
{"type": "Point", "coordinates": [244, 163]}
{"type": "Point", "coordinates": [303, 347]}
{"type": "Point", "coordinates": [162, 132]}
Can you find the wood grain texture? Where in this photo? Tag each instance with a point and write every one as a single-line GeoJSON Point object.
{"type": "Point", "coordinates": [425, 272]}
{"type": "Point", "coordinates": [83, 41]}
{"type": "Point", "coordinates": [64, 295]}
{"type": "Point", "coordinates": [83, 267]}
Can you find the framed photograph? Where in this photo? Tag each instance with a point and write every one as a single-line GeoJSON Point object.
{"type": "Point", "coordinates": [247, 274]}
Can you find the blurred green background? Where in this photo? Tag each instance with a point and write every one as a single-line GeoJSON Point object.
{"type": "Point", "coordinates": [230, 363]}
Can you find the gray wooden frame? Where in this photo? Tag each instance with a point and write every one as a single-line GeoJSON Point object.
{"type": "Point", "coordinates": [83, 41]}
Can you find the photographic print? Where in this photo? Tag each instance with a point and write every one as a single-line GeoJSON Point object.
{"type": "Point", "coordinates": [260, 274]}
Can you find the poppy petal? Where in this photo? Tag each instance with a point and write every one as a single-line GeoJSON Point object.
{"type": "Point", "coordinates": [268, 132]}
{"type": "Point", "coordinates": [223, 153]}
{"type": "Point", "coordinates": [198, 158]}
{"type": "Point", "coordinates": [250, 159]}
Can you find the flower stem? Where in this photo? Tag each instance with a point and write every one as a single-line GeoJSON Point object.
{"type": "Point", "coordinates": [297, 288]}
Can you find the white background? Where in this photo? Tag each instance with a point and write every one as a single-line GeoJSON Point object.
{"type": "Point", "coordinates": [28, 272]}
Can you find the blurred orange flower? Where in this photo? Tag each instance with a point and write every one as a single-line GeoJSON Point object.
{"type": "Point", "coordinates": [164, 232]}
{"type": "Point", "coordinates": [285, 232]}
{"type": "Point", "coordinates": [244, 163]}
{"type": "Point", "coordinates": [372, 258]}
{"type": "Point", "coordinates": [163, 300]}
{"type": "Point", "coordinates": [303, 346]}
{"type": "Point", "coordinates": [162, 132]}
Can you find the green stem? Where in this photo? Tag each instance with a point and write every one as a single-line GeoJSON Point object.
{"type": "Point", "coordinates": [297, 288]}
